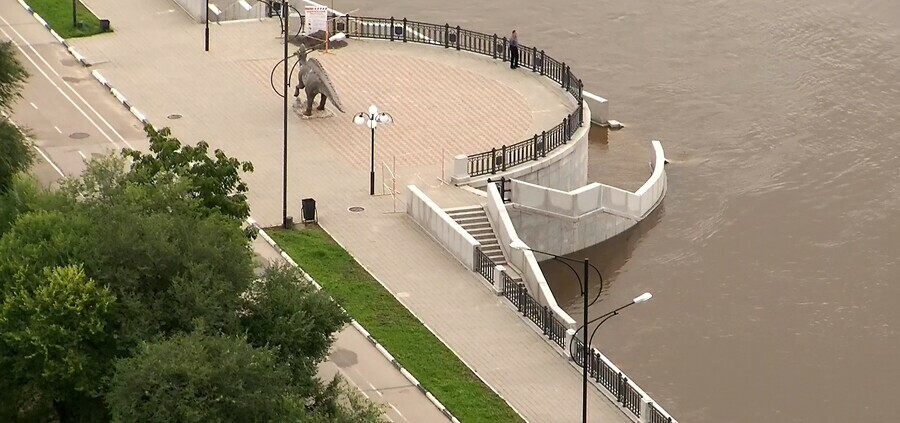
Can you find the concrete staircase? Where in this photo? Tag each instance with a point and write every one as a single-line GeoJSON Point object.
{"type": "Point", "coordinates": [474, 220]}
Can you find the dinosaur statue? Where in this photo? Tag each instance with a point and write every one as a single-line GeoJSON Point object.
{"type": "Point", "coordinates": [314, 80]}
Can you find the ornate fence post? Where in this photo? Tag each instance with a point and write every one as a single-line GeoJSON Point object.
{"type": "Point", "coordinates": [503, 162]}
{"type": "Point", "coordinates": [565, 75]}
{"type": "Point", "coordinates": [544, 321]}
{"type": "Point", "coordinates": [493, 160]}
{"type": "Point", "coordinates": [544, 137]}
{"type": "Point", "coordinates": [580, 103]}
{"type": "Point", "coordinates": [458, 32]}
{"type": "Point", "coordinates": [521, 293]}
{"type": "Point", "coordinates": [534, 59]}
{"type": "Point", "coordinates": [392, 28]}
{"type": "Point", "coordinates": [495, 46]}
{"type": "Point", "coordinates": [505, 48]}
{"type": "Point", "coordinates": [543, 56]}
{"type": "Point", "coordinates": [619, 385]}
{"type": "Point", "coordinates": [404, 29]}
{"type": "Point", "coordinates": [446, 35]}
{"type": "Point", "coordinates": [565, 124]}
{"type": "Point", "coordinates": [534, 143]}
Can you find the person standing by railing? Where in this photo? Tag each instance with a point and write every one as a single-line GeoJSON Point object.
{"type": "Point", "coordinates": [513, 50]}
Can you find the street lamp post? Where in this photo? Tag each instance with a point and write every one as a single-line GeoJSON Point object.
{"type": "Point", "coordinates": [284, 167]}
{"type": "Point", "coordinates": [206, 38]}
{"type": "Point", "coordinates": [371, 119]}
{"type": "Point", "coordinates": [586, 343]}
{"type": "Point", "coordinates": [585, 346]}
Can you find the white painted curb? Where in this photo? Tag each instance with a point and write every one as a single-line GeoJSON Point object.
{"type": "Point", "coordinates": [384, 352]}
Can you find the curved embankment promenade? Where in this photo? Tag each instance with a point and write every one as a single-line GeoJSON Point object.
{"type": "Point", "coordinates": [555, 220]}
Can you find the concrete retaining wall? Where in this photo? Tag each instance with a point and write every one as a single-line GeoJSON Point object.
{"type": "Point", "coordinates": [441, 226]}
{"type": "Point", "coordinates": [599, 108]}
{"type": "Point", "coordinates": [562, 222]}
{"type": "Point", "coordinates": [230, 10]}
{"type": "Point", "coordinates": [522, 261]}
{"type": "Point", "coordinates": [564, 168]}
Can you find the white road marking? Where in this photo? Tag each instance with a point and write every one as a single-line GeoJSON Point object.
{"type": "Point", "coordinates": [398, 412]}
{"type": "Point", "coordinates": [64, 83]}
{"type": "Point", "coordinates": [33, 105]}
{"type": "Point", "coordinates": [55, 167]}
{"type": "Point", "coordinates": [82, 155]}
{"type": "Point", "coordinates": [376, 390]}
{"type": "Point", "coordinates": [57, 129]}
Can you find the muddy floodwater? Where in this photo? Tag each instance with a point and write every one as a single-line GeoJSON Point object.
{"type": "Point", "coordinates": [773, 260]}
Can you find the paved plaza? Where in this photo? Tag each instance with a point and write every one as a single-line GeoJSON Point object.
{"type": "Point", "coordinates": [444, 103]}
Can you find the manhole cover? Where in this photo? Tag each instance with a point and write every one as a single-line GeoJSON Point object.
{"type": "Point", "coordinates": [174, 116]}
{"type": "Point", "coordinates": [78, 135]}
{"type": "Point", "coordinates": [356, 209]}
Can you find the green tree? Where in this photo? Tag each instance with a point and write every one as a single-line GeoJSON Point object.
{"type": "Point", "coordinates": [15, 149]}
{"type": "Point", "coordinates": [284, 311]}
{"type": "Point", "coordinates": [54, 343]}
{"type": "Point", "coordinates": [201, 378]}
{"type": "Point", "coordinates": [216, 181]}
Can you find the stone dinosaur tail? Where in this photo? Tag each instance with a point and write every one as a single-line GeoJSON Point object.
{"type": "Point", "coordinates": [329, 89]}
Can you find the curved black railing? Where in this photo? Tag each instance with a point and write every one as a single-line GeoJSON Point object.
{"type": "Point", "coordinates": [507, 156]}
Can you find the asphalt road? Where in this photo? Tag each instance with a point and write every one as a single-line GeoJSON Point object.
{"type": "Point", "coordinates": [72, 118]}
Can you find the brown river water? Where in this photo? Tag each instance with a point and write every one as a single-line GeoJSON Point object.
{"type": "Point", "coordinates": [773, 260]}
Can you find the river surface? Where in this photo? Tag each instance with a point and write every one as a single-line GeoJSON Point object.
{"type": "Point", "coordinates": [774, 258]}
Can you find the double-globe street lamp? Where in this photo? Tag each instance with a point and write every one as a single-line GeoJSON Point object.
{"type": "Point", "coordinates": [372, 118]}
{"type": "Point", "coordinates": [583, 281]}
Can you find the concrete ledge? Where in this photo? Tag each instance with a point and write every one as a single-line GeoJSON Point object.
{"type": "Point", "coordinates": [563, 168]}
{"type": "Point", "coordinates": [523, 262]}
{"type": "Point", "coordinates": [599, 108]}
{"type": "Point", "coordinates": [441, 226]}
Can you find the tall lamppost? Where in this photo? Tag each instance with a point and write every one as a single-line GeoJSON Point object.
{"type": "Point", "coordinates": [372, 119]}
{"type": "Point", "coordinates": [586, 343]}
{"type": "Point", "coordinates": [206, 38]}
{"type": "Point", "coordinates": [287, 82]}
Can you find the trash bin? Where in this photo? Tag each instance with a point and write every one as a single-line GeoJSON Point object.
{"type": "Point", "coordinates": [104, 25]}
{"type": "Point", "coordinates": [308, 209]}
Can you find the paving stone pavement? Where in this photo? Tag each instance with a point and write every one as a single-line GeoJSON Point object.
{"type": "Point", "coordinates": [444, 102]}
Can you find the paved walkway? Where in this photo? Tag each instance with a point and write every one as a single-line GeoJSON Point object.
{"type": "Point", "coordinates": [442, 100]}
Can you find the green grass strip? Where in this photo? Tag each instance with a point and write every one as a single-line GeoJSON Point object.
{"type": "Point", "coordinates": [58, 13]}
{"type": "Point", "coordinates": [409, 341]}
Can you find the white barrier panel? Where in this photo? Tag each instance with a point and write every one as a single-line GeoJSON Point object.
{"type": "Point", "coordinates": [441, 227]}
{"type": "Point", "coordinates": [524, 261]}
{"type": "Point", "coordinates": [595, 196]}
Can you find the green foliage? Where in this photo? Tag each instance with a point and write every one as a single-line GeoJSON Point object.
{"type": "Point", "coordinates": [216, 182]}
{"type": "Point", "coordinates": [201, 378]}
{"type": "Point", "coordinates": [122, 265]}
{"type": "Point", "coordinates": [425, 356]}
{"type": "Point", "coordinates": [53, 339]}
{"type": "Point", "coordinates": [58, 13]}
{"type": "Point", "coordinates": [283, 309]}
{"type": "Point", "coordinates": [12, 75]}
{"type": "Point", "coordinates": [23, 195]}
{"type": "Point", "coordinates": [15, 148]}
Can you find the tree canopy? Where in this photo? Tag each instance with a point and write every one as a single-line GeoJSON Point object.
{"type": "Point", "coordinates": [130, 294]}
{"type": "Point", "coordinates": [15, 150]}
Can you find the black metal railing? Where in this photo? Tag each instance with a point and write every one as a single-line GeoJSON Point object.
{"type": "Point", "coordinates": [484, 265]}
{"type": "Point", "coordinates": [539, 314]}
{"type": "Point", "coordinates": [495, 160]}
{"type": "Point", "coordinates": [614, 382]}
{"type": "Point", "coordinates": [654, 415]}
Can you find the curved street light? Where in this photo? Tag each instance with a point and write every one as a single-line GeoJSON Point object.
{"type": "Point", "coordinates": [586, 344]}
{"type": "Point", "coordinates": [371, 119]}
{"type": "Point", "coordinates": [585, 351]}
